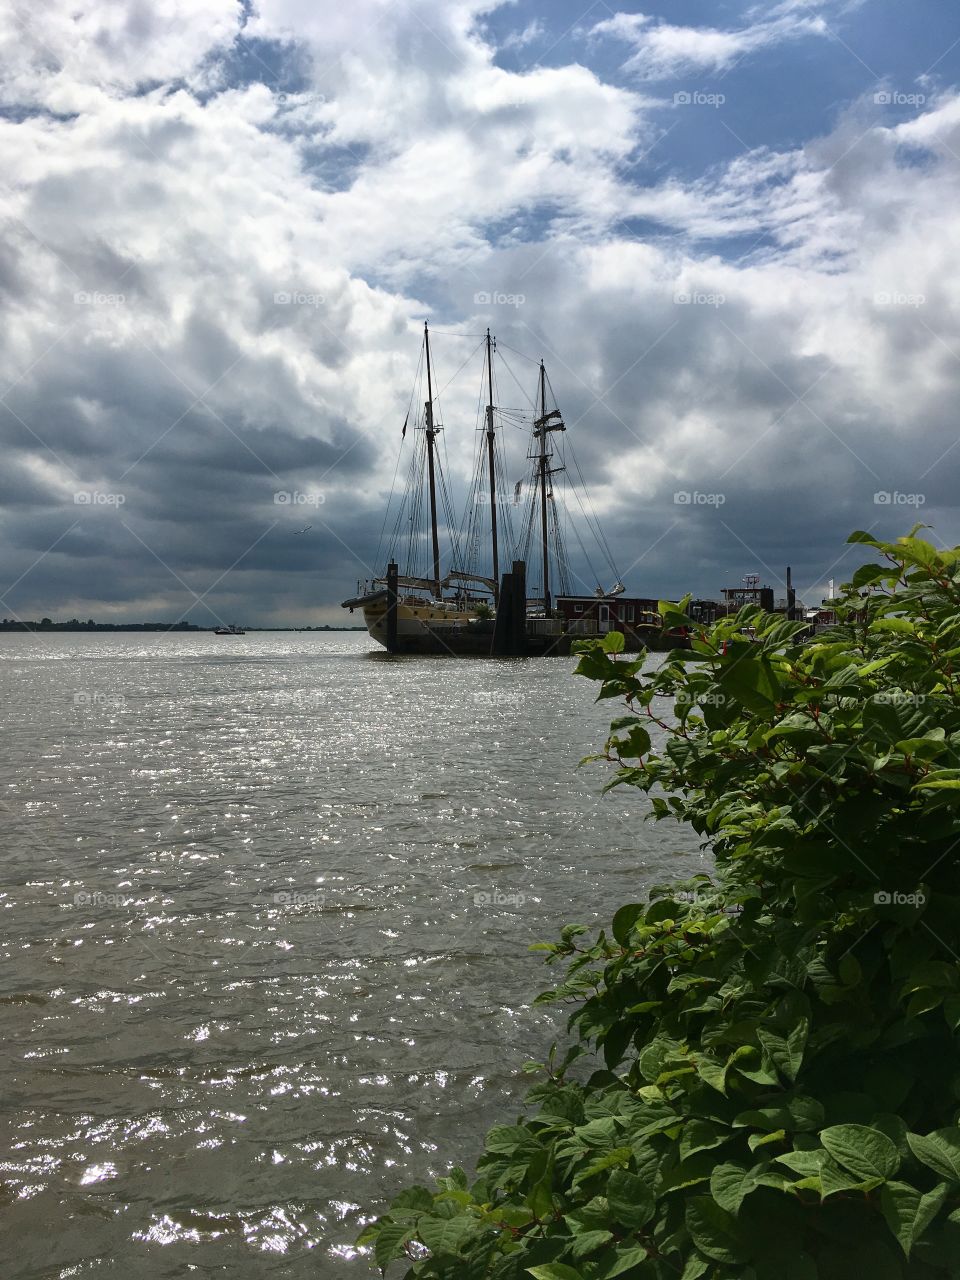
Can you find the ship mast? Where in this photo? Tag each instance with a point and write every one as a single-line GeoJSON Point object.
{"type": "Point", "coordinates": [431, 438]}
{"type": "Point", "coordinates": [493, 474]}
{"type": "Point", "coordinates": [546, 422]}
{"type": "Point", "coordinates": [543, 489]}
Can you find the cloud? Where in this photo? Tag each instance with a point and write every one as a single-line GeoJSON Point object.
{"type": "Point", "coordinates": [64, 56]}
{"type": "Point", "coordinates": [661, 49]}
{"type": "Point", "coordinates": [198, 327]}
{"type": "Point", "coordinates": [215, 287]}
{"type": "Point", "coordinates": [531, 33]}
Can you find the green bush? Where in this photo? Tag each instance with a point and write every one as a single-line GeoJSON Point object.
{"type": "Point", "coordinates": [779, 1083]}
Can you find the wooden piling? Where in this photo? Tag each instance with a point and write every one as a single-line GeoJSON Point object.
{"type": "Point", "coordinates": [518, 613]}
{"type": "Point", "coordinates": [500, 645]}
{"type": "Point", "coordinates": [510, 628]}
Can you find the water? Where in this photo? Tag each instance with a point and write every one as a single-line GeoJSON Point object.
{"type": "Point", "coordinates": [266, 906]}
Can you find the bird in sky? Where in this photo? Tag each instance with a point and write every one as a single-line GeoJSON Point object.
{"type": "Point", "coordinates": [303, 530]}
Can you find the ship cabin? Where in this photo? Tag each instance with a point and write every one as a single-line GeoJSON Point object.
{"type": "Point", "coordinates": [734, 598]}
{"type": "Point", "coordinates": [596, 615]}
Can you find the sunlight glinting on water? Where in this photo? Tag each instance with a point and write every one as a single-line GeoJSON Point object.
{"type": "Point", "coordinates": [267, 903]}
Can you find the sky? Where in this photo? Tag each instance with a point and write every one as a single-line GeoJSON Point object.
{"type": "Point", "coordinates": [729, 229]}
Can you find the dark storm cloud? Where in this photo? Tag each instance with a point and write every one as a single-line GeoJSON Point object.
{"type": "Point", "coordinates": [215, 290]}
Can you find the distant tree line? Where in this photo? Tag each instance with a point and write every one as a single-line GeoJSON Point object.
{"type": "Point", "coordinates": [74, 624]}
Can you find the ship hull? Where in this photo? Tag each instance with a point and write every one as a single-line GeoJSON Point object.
{"type": "Point", "coordinates": [421, 628]}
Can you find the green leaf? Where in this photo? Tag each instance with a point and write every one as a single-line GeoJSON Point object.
{"type": "Point", "coordinates": [540, 1196]}
{"type": "Point", "coordinates": [834, 1179]}
{"type": "Point", "coordinates": [619, 1156]}
{"type": "Point", "coordinates": [802, 1114]}
{"type": "Point", "coordinates": [786, 1054]}
{"type": "Point", "coordinates": [762, 1139]}
{"type": "Point", "coordinates": [731, 1183]}
{"type": "Point", "coordinates": [712, 1073]}
{"type": "Point", "coordinates": [869, 573]}
{"type": "Point", "coordinates": [714, 1231]}
{"type": "Point", "coordinates": [672, 615]}
{"type": "Point", "coordinates": [908, 1213]}
{"type": "Point", "coordinates": [701, 1135]}
{"type": "Point", "coordinates": [613, 642]}
{"type": "Point", "coordinates": [750, 681]}
{"type": "Point", "coordinates": [415, 1197]}
{"type": "Point", "coordinates": [628, 1257]}
{"type": "Point", "coordinates": [630, 1199]}
{"type": "Point", "coordinates": [391, 1238]}
{"type": "Point", "coordinates": [850, 971]}
{"type": "Point", "coordinates": [506, 1139]}
{"type": "Point", "coordinates": [695, 1268]}
{"type": "Point", "coordinates": [951, 1011]}
{"type": "Point", "coordinates": [866, 1152]}
{"type": "Point", "coordinates": [939, 1150]}
{"type": "Point", "coordinates": [554, 1271]}
{"type": "Point", "coordinates": [806, 1163]}
{"type": "Point", "coordinates": [587, 1242]}
{"type": "Point", "coordinates": [444, 1236]}
{"type": "Point", "coordinates": [625, 919]}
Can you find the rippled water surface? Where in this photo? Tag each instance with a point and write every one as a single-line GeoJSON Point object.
{"type": "Point", "coordinates": [266, 904]}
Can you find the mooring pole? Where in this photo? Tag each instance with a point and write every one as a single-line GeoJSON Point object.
{"type": "Point", "coordinates": [502, 626]}
{"type": "Point", "coordinates": [392, 574]}
{"type": "Point", "coordinates": [518, 618]}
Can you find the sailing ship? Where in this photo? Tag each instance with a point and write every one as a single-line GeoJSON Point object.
{"type": "Point", "coordinates": [456, 611]}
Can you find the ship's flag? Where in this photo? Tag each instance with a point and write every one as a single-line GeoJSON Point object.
{"type": "Point", "coordinates": [516, 492]}
{"type": "Point", "coordinates": [403, 433]}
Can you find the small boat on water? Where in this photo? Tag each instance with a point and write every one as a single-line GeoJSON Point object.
{"type": "Point", "coordinates": [232, 630]}
{"type": "Point", "coordinates": [457, 611]}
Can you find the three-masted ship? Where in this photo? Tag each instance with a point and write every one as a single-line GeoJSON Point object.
{"type": "Point", "coordinates": [414, 606]}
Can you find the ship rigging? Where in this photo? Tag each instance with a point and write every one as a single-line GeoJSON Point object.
{"type": "Point", "coordinates": [483, 540]}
